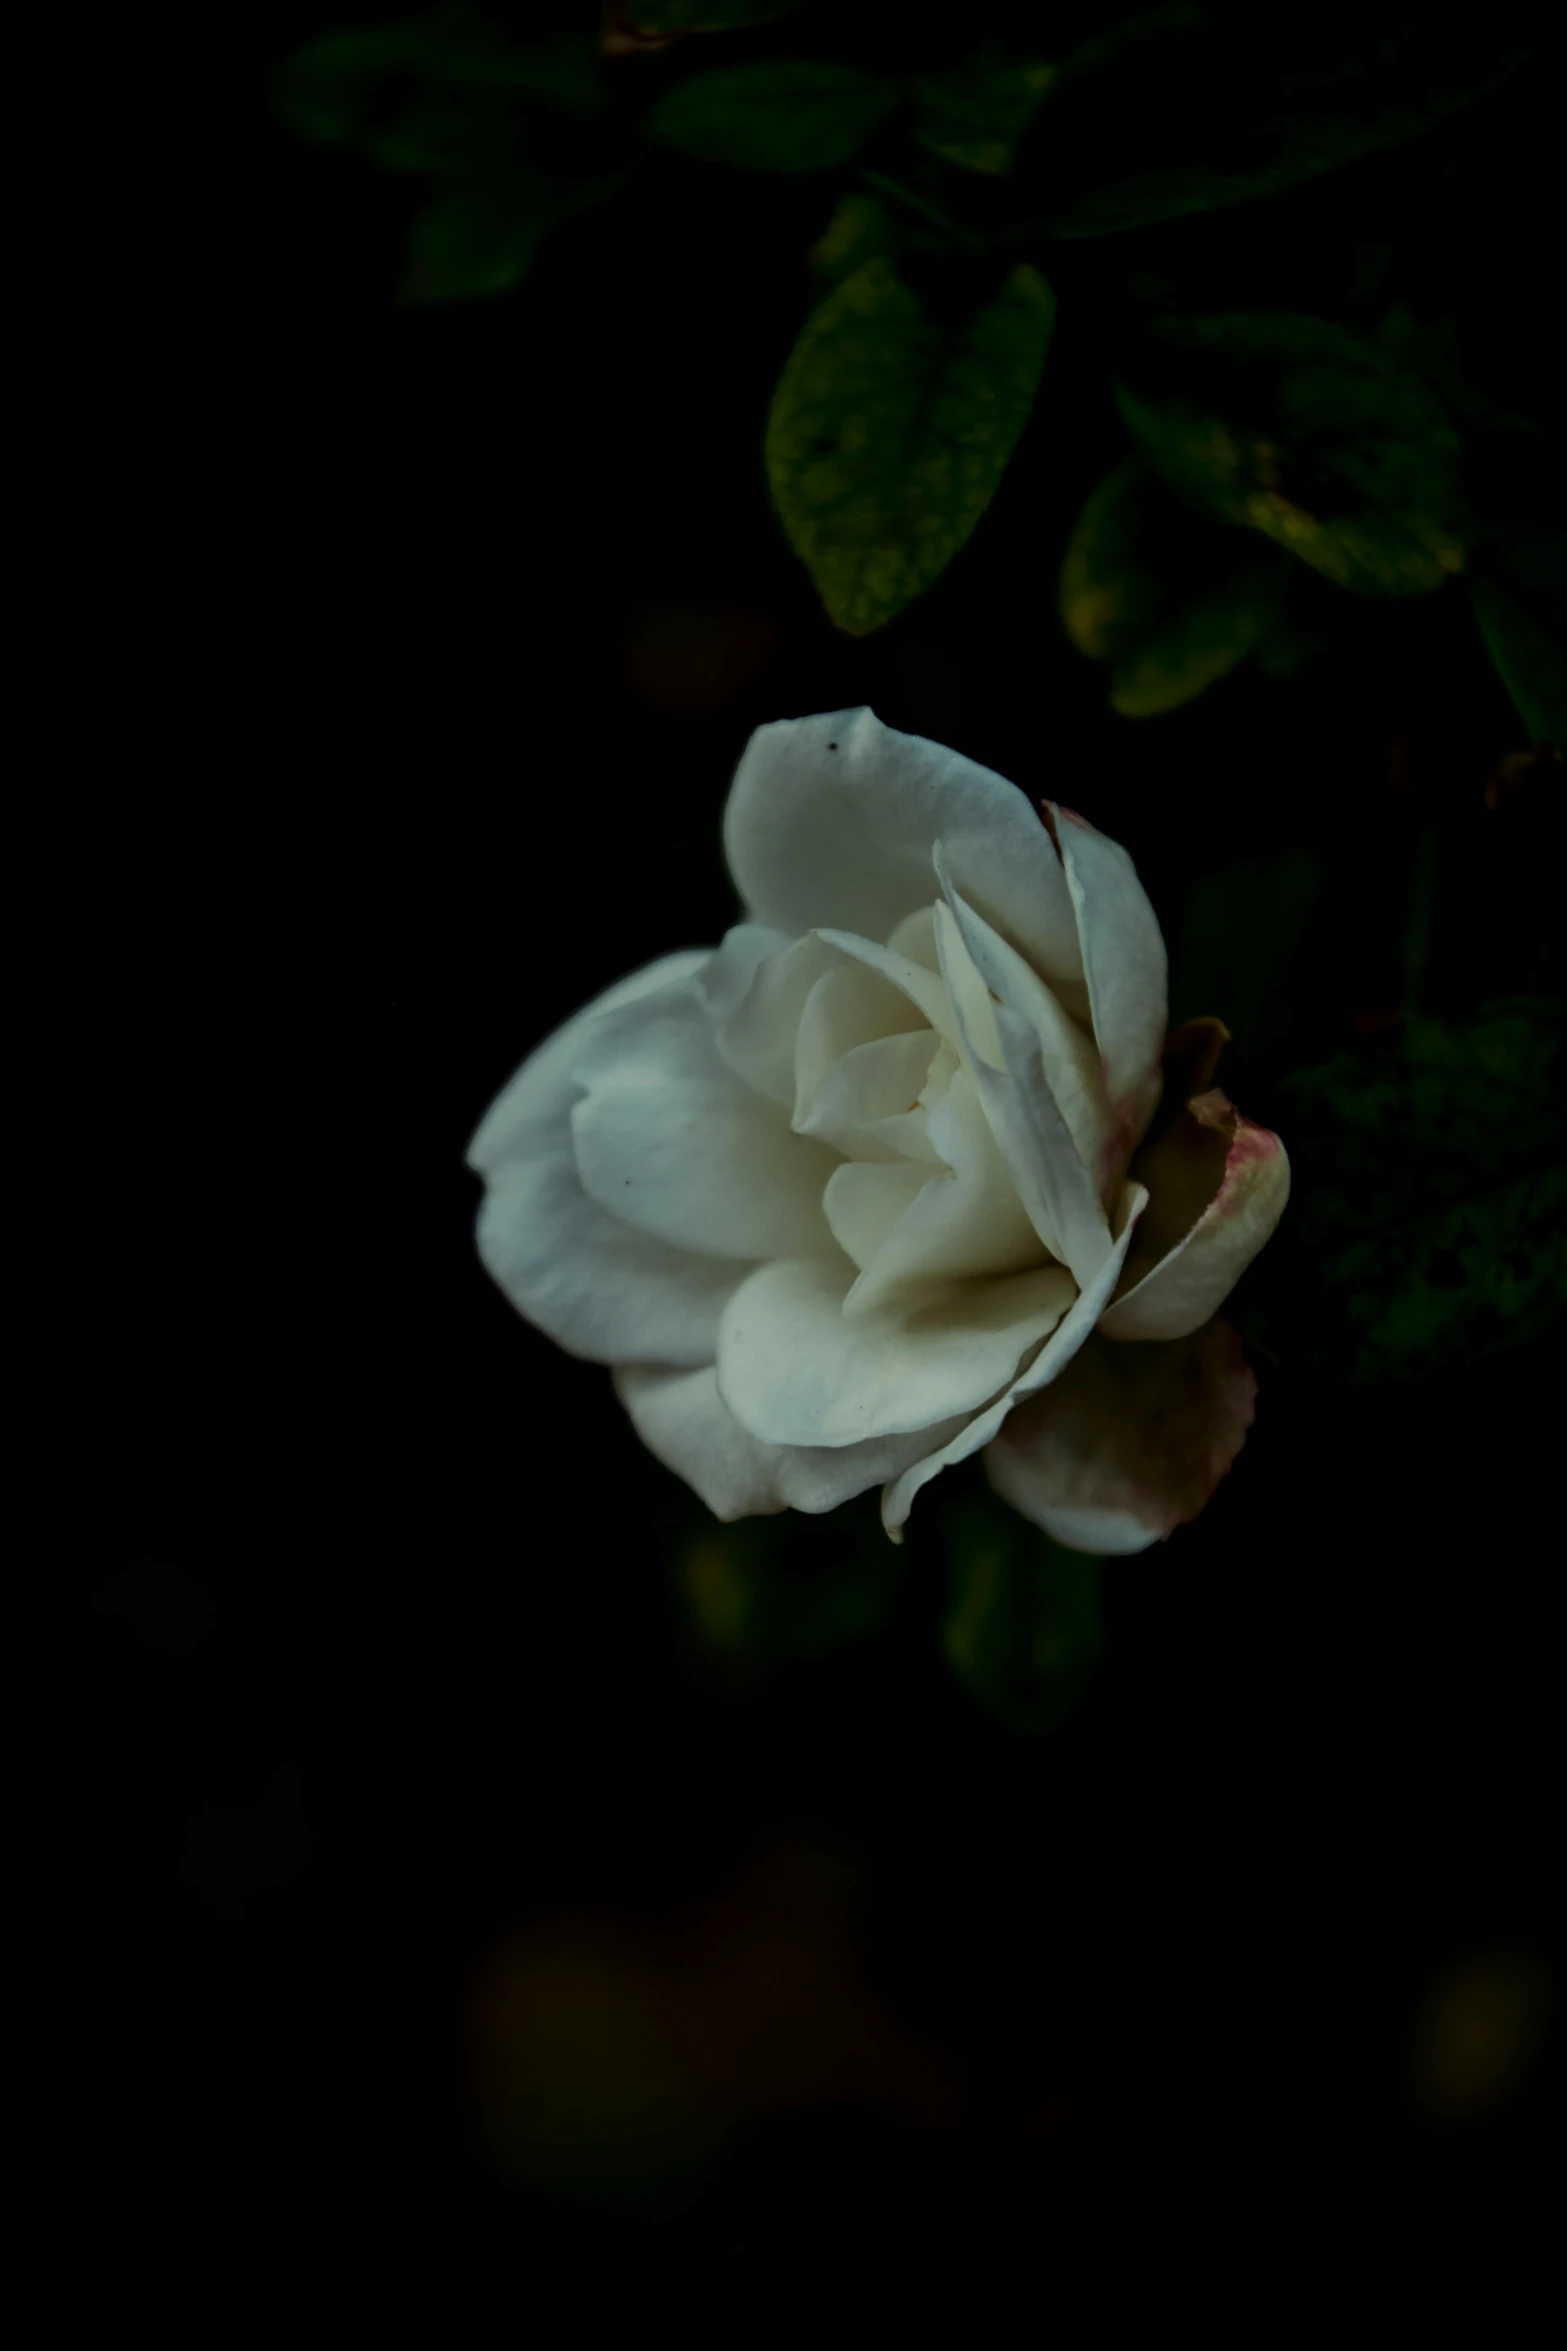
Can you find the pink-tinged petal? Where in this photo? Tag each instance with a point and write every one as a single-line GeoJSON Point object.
{"type": "Point", "coordinates": [681, 1418]}
{"type": "Point", "coordinates": [1124, 961]}
{"type": "Point", "coordinates": [830, 822]}
{"type": "Point", "coordinates": [1051, 1360]}
{"type": "Point", "coordinates": [1218, 1185]}
{"type": "Point", "coordinates": [794, 1369]}
{"type": "Point", "coordinates": [671, 1142]}
{"type": "Point", "coordinates": [590, 1283]}
{"type": "Point", "coordinates": [1130, 1442]}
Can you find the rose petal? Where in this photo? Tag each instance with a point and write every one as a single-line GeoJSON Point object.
{"type": "Point", "coordinates": [1059, 1348]}
{"type": "Point", "coordinates": [670, 1141]}
{"type": "Point", "coordinates": [830, 821]}
{"type": "Point", "coordinates": [795, 1370]}
{"type": "Point", "coordinates": [1129, 1442]}
{"type": "Point", "coordinates": [757, 1037]}
{"type": "Point", "coordinates": [591, 1284]}
{"type": "Point", "coordinates": [1124, 960]}
{"type": "Point", "coordinates": [725, 980]}
{"type": "Point", "coordinates": [961, 1223]}
{"type": "Point", "coordinates": [867, 1104]}
{"type": "Point", "coordinates": [681, 1418]}
{"type": "Point", "coordinates": [1058, 1193]}
{"type": "Point", "coordinates": [1218, 1186]}
{"type": "Point", "coordinates": [1067, 1052]}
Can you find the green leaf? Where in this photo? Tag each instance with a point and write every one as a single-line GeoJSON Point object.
{"type": "Point", "coordinates": [1296, 428]}
{"type": "Point", "coordinates": [974, 114]}
{"type": "Point", "coordinates": [860, 230]}
{"type": "Point", "coordinates": [1023, 1624]}
{"type": "Point", "coordinates": [1172, 604]}
{"type": "Point", "coordinates": [788, 1587]}
{"type": "Point", "coordinates": [776, 114]}
{"type": "Point", "coordinates": [1518, 585]}
{"type": "Point", "coordinates": [1427, 1225]}
{"type": "Point", "coordinates": [1186, 108]}
{"type": "Point", "coordinates": [890, 430]}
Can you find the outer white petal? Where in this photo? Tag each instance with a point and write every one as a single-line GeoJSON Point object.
{"type": "Point", "coordinates": [681, 1418]}
{"type": "Point", "coordinates": [1058, 1192]}
{"type": "Point", "coordinates": [830, 822]}
{"type": "Point", "coordinates": [1125, 962]}
{"type": "Point", "coordinates": [725, 980]}
{"type": "Point", "coordinates": [1067, 1052]}
{"type": "Point", "coordinates": [757, 1036]}
{"type": "Point", "coordinates": [1129, 1442]}
{"type": "Point", "coordinates": [1058, 1350]}
{"type": "Point", "coordinates": [1218, 1186]}
{"type": "Point", "coordinates": [670, 1141]}
{"type": "Point", "coordinates": [591, 1284]}
{"type": "Point", "coordinates": [795, 1370]}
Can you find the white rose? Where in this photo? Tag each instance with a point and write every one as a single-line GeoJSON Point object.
{"type": "Point", "coordinates": [852, 1195]}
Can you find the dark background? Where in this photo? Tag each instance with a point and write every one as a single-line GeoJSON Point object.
{"type": "Point", "coordinates": [445, 1927]}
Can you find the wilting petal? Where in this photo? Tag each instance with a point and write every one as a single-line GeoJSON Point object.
{"type": "Point", "coordinates": [795, 1370]}
{"type": "Point", "coordinates": [1004, 1054]}
{"type": "Point", "coordinates": [671, 1142]}
{"type": "Point", "coordinates": [1064, 1341]}
{"type": "Point", "coordinates": [1125, 962]}
{"type": "Point", "coordinates": [595, 1287]}
{"type": "Point", "coordinates": [1218, 1186]}
{"type": "Point", "coordinates": [830, 820]}
{"type": "Point", "coordinates": [1129, 1442]}
{"type": "Point", "coordinates": [680, 1417]}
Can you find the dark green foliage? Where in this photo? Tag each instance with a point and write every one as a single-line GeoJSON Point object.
{"type": "Point", "coordinates": [783, 114]}
{"type": "Point", "coordinates": [512, 131]}
{"type": "Point", "coordinates": [1185, 108]}
{"type": "Point", "coordinates": [1022, 1624]}
{"type": "Point", "coordinates": [1519, 588]}
{"type": "Point", "coordinates": [1295, 428]}
{"type": "Point", "coordinates": [1167, 601]}
{"type": "Point", "coordinates": [891, 428]}
{"type": "Point", "coordinates": [975, 114]}
{"type": "Point", "coordinates": [1427, 1225]}
{"type": "Point", "coordinates": [754, 1590]}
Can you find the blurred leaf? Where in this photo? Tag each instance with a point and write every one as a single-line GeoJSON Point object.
{"type": "Point", "coordinates": [890, 430]}
{"type": "Point", "coordinates": [406, 94]}
{"type": "Point", "coordinates": [974, 114]}
{"type": "Point", "coordinates": [1170, 603]}
{"type": "Point", "coordinates": [512, 130]}
{"type": "Point", "coordinates": [706, 16]}
{"type": "Point", "coordinates": [1185, 108]}
{"type": "Point", "coordinates": [776, 114]}
{"type": "Point", "coordinates": [791, 1587]}
{"type": "Point", "coordinates": [1427, 1225]}
{"type": "Point", "coordinates": [1023, 1625]}
{"type": "Point", "coordinates": [1518, 586]}
{"type": "Point", "coordinates": [860, 230]}
{"type": "Point", "coordinates": [1298, 429]}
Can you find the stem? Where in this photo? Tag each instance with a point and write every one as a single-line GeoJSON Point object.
{"type": "Point", "coordinates": [920, 204]}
